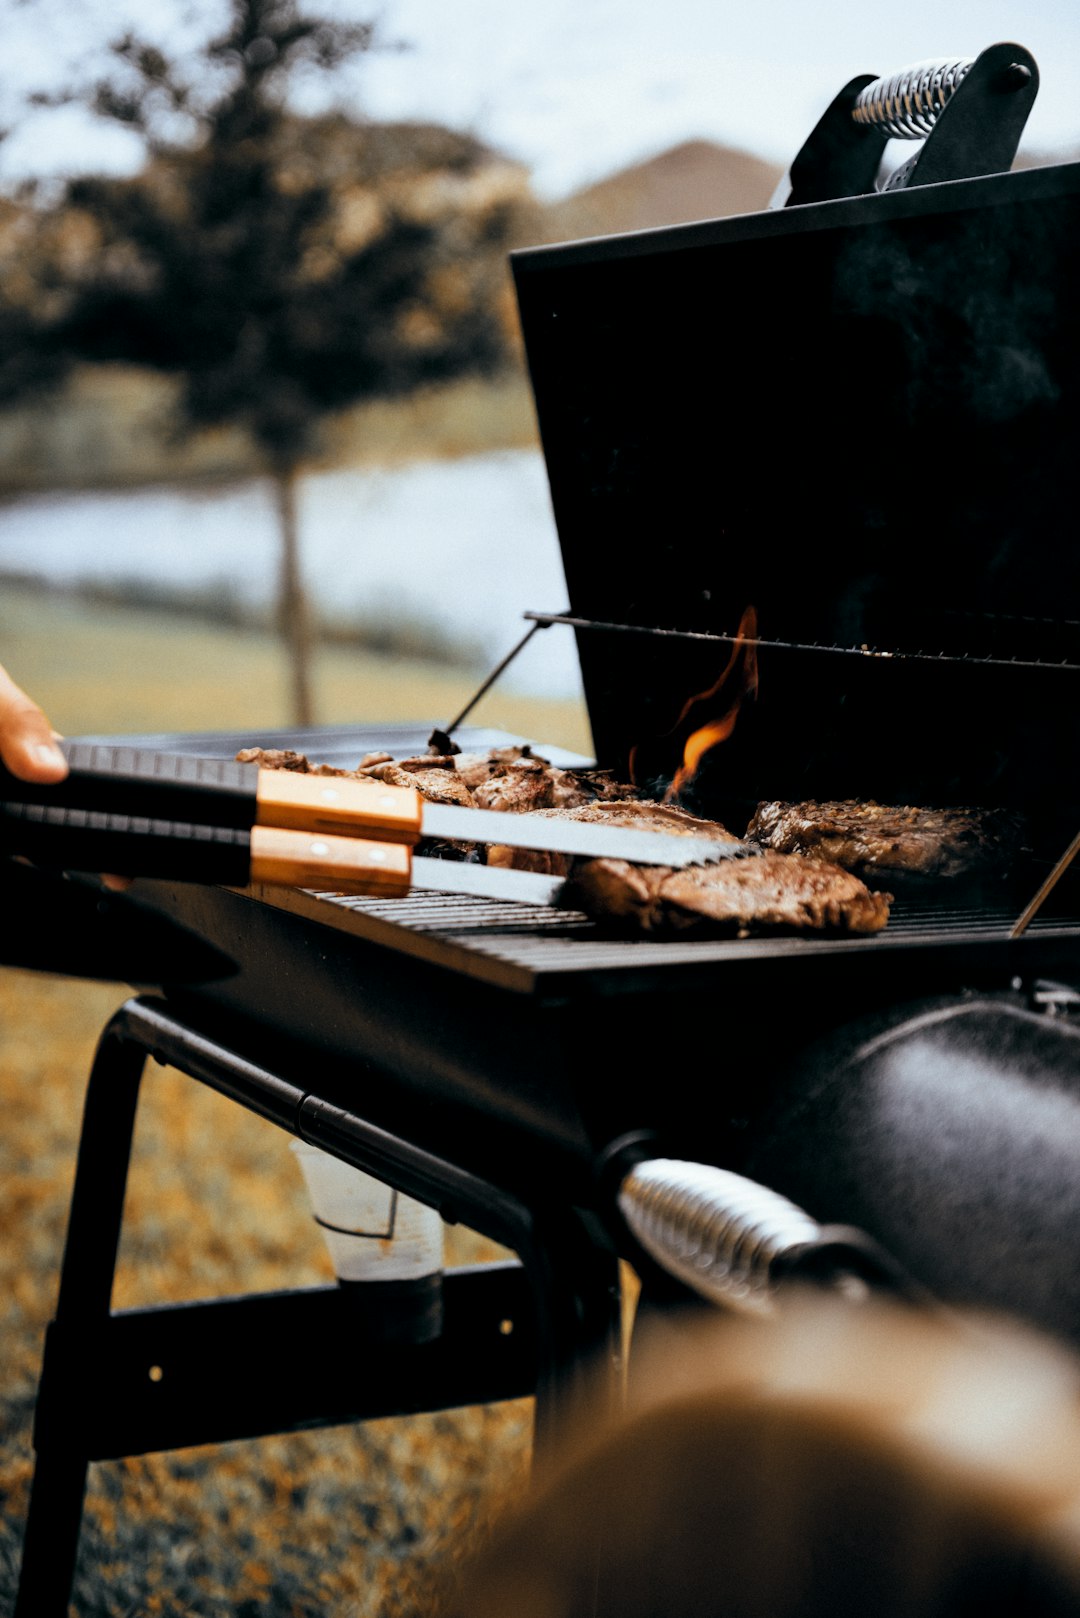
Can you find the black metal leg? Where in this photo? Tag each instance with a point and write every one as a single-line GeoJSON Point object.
{"type": "Point", "coordinates": [95, 1399]}
{"type": "Point", "coordinates": [574, 1273]}
{"type": "Point", "coordinates": [51, 1541]}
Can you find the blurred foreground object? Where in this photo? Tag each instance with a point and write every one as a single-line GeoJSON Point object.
{"type": "Point", "coordinates": [872, 1461]}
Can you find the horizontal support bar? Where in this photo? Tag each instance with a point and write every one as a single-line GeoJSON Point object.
{"type": "Point", "coordinates": [207, 1372]}
{"type": "Point", "coordinates": [152, 1024]}
{"type": "Point", "coordinates": [655, 632]}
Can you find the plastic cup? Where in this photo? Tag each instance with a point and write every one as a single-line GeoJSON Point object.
{"type": "Point", "coordinates": [388, 1246]}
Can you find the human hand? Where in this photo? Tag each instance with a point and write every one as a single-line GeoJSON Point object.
{"type": "Point", "coordinates": [28, 746]}
{"type": "Point", "coordinates": [27, 740]}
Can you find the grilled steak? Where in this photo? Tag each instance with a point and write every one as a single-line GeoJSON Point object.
{"type": "Point", "coordinates": [874, 840]}
{"type": "Point", "coordinates": [773, 891]}
{"type": "Point", "coordinates": [768, 891]}
{"type": "Point", "coordinates": [512, 779]}
{"type": "Point", "coordinates": [436, 785]}
{"type": "Point", "coordinates": [639, 815]}
{"type": "Point", "coordinates": [529, 784]}
{"type": "Point", "coordinates": [476, 767]}
{"type": "Point", "coordinates": [283, 758]}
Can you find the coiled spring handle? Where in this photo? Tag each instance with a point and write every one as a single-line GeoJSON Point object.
{"type": "Point", "coordinates": [733, 1241]}
{"type": "Point", "coordinates": [969, 111]}
{"type": "Point", "coordinates": [907, 105]}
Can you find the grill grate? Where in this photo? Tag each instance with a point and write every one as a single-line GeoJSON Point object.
{"type": "Point", "coordinates": [520, 945]}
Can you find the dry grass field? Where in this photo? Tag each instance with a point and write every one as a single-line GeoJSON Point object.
{"type": "Point", "coordinates": [356, 1522]}
{"type": "Point", "coordinates": [110, 668]}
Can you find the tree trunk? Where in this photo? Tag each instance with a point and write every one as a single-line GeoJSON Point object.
{"type": "Point", "coordinates": [294, 613]}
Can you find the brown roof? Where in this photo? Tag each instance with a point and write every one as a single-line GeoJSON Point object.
{"type": "Point", "coordinates": [696, 180]}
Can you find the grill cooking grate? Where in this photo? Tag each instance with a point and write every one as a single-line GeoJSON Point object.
{"type": "Point", "coordinates": [525, 945]}
{"type": "Point", "coordinates": [461, 916]}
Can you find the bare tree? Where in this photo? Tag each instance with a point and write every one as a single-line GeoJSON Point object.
{"type": "Point", "coordinates": [277, 289]}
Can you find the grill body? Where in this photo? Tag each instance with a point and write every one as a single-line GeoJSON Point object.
{"type": "Point", "coordinates": [860, 418]}
{"type": "Point", "coordinates": [535, 1050]}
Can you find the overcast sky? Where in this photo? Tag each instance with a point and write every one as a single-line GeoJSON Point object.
{"type": "Point", "coordinates": [579, 88]}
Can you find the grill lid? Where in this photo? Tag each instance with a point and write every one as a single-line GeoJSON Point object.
{"type": "Point", "coordinates": [859, 417]}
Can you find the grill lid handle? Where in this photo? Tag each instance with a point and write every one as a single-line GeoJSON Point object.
{"type": "Point", "coordinates": [969, 113]}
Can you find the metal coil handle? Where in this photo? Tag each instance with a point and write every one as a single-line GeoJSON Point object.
{"type": "Point", "coordinates": [906, 105]}
{"type": "Point", "coordinates": [968, 111]}
{"type": "Point", "coordinates": [718, 1233]}
{"type": "Point", "coordinates": [734, 1241]}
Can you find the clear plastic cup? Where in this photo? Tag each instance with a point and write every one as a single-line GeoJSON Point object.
{"type": "Point", "coordinates": [388, 1245]}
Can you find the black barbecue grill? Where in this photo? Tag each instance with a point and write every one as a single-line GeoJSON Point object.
{"type": "Point", "coordinates": [859, 417]}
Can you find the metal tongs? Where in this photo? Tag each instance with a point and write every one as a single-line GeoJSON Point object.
{"type": "Point", "coordinates": [143, 813]}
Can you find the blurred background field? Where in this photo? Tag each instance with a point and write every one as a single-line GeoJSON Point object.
{"type": "Point", "coordinates": [101, 667]}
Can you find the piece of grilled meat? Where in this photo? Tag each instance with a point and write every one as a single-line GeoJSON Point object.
{"type": "Point", "coordinates": [763, 892]}
{"type": "Point", "coordinates": [528, 783]}
{"type": "Point", "coordinates": [770, 892]}
{"type": "Point", "coordinates": [878, 841]}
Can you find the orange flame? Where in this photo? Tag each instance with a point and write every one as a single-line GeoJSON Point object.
{"type": "Point", "coordinates": [702, 740]}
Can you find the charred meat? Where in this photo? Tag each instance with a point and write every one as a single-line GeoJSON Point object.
{"type": "Point", "coordinates": [875, 840]}
{"type": "Point", "coordinates": [772, 892]}
{"type": "Point", "coordinates": [793, 891]}
{"type": "Point", "coordinates": [527, 785]}
{"type": "Point", "coordinates": [283, 758]}
{"type": "Point", "coordinates": [512, 779]}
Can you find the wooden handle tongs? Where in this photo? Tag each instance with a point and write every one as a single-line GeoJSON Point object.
{"type": "Point", "coordinates": [142, 813]}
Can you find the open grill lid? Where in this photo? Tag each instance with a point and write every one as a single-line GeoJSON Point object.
{"type": "Point", "coordinates": [860, 417]}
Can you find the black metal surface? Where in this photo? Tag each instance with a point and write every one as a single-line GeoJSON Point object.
{"type": "Point", "coordinates": [212, 1371]}
{"type": "Point", "coordinates": [839, 158]}
{"type": "Point", "coordinates": [979, 130]}
{"type": "Point", "coordinates": [536, 950]}
{"type": "Point", "coordinates": [519, 1065]}
{"type": "Point", "coordinates": [950, 1130]}
{"type": "Point", "coordinates": [341, 745]}
{"type": "Point", "coordinates": [858, 417]}
{"type": "Point", "coordinates": [57, 923]}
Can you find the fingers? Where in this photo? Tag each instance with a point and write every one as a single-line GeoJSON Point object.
{"type": "Point", "coordinates": [28, 747]}
{"type": "Point", "coordinates": [27, 744]}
